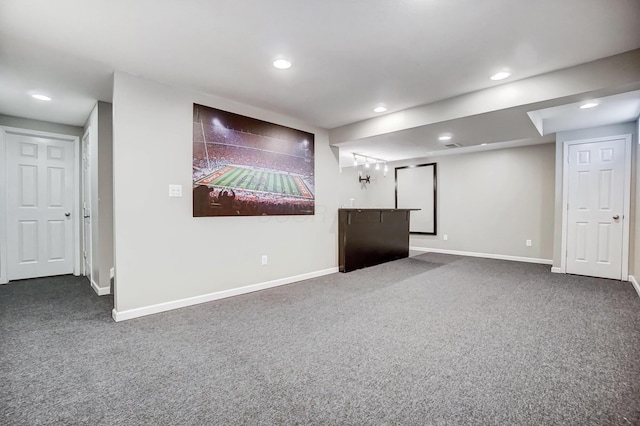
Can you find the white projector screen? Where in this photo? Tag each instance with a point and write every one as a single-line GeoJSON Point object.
{"type": "Point", "coordinates": [416, 188]}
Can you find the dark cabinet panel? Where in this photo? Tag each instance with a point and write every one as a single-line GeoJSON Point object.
{"type": "Point", "coordinates": [369, 237]}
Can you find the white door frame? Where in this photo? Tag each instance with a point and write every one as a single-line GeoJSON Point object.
{"type": "Point", "coordinates": [627, 199]}
{"type": "Point", "coordinates": [86, 201]}
{"type": "Point", "coordinates": [4, 132]}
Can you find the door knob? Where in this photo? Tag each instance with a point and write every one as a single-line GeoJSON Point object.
{"type": "Point", "coordinates": [616, 217]}
{"type": "Point", "coordinates": [67, 214]}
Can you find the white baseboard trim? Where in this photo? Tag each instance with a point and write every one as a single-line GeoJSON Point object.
{"type": "Point", "coordinates": [190, 301]}
{"type": "Point", "coordinates": [100, 291]}
{"type": "Point", "coordinates": [635, 284]}
{"type": "Point", "coordinates": [557, 270]}
{"type": "Point", "coordinates": [485, 255]}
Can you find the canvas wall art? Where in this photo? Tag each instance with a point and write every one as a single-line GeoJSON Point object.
{"type": "Point", "coordinates": [248, 167]}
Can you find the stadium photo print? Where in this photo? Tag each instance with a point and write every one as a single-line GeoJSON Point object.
{"type": "Point", "coordinates": [248, 167]}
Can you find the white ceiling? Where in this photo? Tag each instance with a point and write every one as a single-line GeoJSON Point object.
{"type": "Point", "coordinates": [348, 56]}
{"type": "Point", "coordinates": [502, 128]}
{"type": "Point", "coordinates": [610, 109]}
{"type": "Point", "coordinates": [499, 126]}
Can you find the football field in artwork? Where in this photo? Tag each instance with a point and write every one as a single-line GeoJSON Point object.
{"type": "Point", "coordinates": [249, 179]}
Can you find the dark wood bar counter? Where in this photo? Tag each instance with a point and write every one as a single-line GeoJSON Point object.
{"type": "Point", "coordinates": [368, 237]}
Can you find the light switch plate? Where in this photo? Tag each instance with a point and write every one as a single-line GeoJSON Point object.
{"type": "Point", "coordinates": [175, 190]}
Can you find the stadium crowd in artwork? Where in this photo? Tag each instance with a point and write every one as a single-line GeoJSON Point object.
{"type": "Point", "coordinates": [247, 167]}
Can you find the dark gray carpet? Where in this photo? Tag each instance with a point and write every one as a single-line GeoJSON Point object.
{"type": "Point", "coordinates": [432, 339]}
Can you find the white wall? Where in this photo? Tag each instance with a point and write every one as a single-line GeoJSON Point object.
{"type": "Point", "coordinates": [375, 194]}
{"type": "Point", "coordinates": [634, 229]}
{"type": "Point", "coordinates": [162, 253]}
{"type": "Point", "coordinates": [595, 132]}
{"type": "Point", "coordinates": [99, 125]}
{"type": "Point", "coordinates": [489, 202]}
{"type": "Point", "coordinates": [91, 131]}
{"type": "Point", "coordinates": [42, 126]}
{"type": "Point", "coordinates": [105, 191]}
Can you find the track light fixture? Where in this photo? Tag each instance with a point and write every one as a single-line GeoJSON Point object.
{"type": "Point", "coordinates": [370, 160]}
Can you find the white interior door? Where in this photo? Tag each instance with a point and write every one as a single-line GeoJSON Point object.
{"type": "Point", "coordinates": [596, 208]}
{"type": "Point", "coordinates": [86, 204]}
{"type": "Point", "coordinates": [40, 190]}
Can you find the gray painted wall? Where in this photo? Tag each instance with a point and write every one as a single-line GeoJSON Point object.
{"type": "Point", "coordinates": [164, 254]}
{"type": "Point", "coordinates": [488, 202]}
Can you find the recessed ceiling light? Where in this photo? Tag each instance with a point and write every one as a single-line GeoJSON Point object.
{"type": "Point", "coordinates": [589, 105]}
{"type": "Point", "coordinates": [282, 64]}
{"type": "Point", "coordinates": [500, 75]}
{"type": "Point", "coordinates": [482, 144]}
{"type": "Point", "coordinates": [41, 97]}
{"type": "Point", "coordinates": [380, 109]}
{"type": "Point", "coordinates": [444, 138]}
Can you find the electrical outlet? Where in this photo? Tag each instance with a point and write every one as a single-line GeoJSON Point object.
{"type": "Point", "coordinates": [445, 237]}
{"type": "Point", "coordinates": [528, 243]}
{"type": "Point", "coordinates": [264, 259]}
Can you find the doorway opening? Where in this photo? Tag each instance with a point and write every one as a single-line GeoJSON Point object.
{"type": "Point", "coordinates": [596, 207]}
{"type": "Point", "coordinates": [39, 198]}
